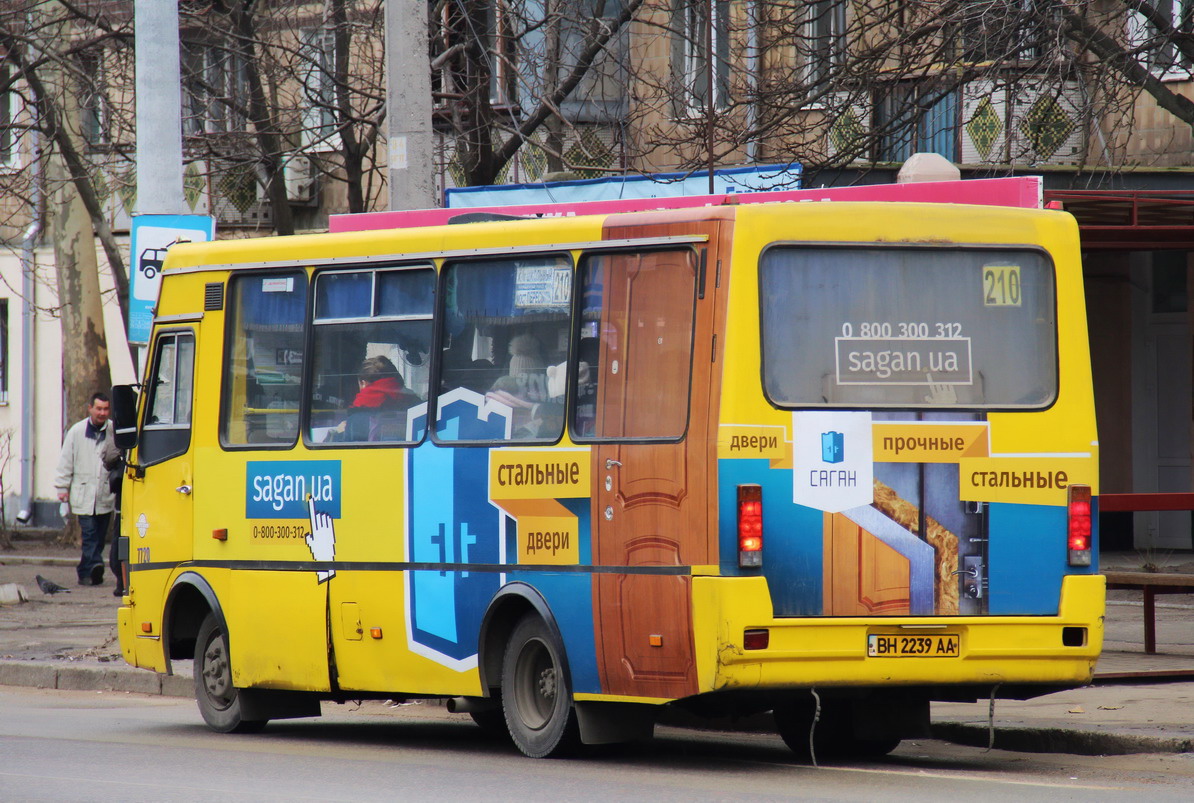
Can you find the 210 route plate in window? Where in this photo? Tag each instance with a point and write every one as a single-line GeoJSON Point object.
{"type": "Point", "coordinates": [938, 645]}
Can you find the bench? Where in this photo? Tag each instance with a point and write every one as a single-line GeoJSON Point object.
{"type": "Point", "coordinates": [1151, 583]}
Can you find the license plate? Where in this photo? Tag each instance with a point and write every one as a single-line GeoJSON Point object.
{"type": "Point", "coordinates": [938, 645]}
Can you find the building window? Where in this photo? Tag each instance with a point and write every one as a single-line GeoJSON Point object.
{"type": "Point", "coordinates": [503, 86]}
{"type": "Point", "coordinates": [1020, 30]}
{"type": "Point", "coordinates": [825, 32]}
{"type": "Point", "coordinates": [94, 111]}
{"type": "Point", "coordinates": [912, 118]}
{"type": "Point", "coordinates": [319, 84]}
{"type": "Point", "coordinates": [8, 106]}
{"type": "Point", "coordinates": [215, 89]}
{"type": "Point", "coordinates": [1154, 39]}
{"type": "Point", "coordinates": [692, 48]}
{"type": "Point", "coordinates": [4, 351]}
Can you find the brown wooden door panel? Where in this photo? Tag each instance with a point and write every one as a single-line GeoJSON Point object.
{"type": "Point", "coordinates": [651, 501]}
{"type": "Point", "coordinates": [650, 646]}
{"type": "Point", "coordinates": [652, 476]}
{"type": "Point", "coordinates": [862, 575]}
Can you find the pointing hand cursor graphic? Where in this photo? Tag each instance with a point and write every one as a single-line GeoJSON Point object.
{"type": "Point", "coordinates": [321, 540]}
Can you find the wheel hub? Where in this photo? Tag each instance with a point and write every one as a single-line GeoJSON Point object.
{"type": "Point", "coordinates": [217, 678]}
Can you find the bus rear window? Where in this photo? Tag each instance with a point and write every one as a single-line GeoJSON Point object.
{"type": "Point", "coordinates": [908, 327]}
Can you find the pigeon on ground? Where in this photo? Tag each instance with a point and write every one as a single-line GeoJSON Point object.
{"type": "Point", "coordinates": [49, 586]}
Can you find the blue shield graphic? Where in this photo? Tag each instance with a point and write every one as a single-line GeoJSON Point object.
{"type": "Point", "coordinates": [451, 521]}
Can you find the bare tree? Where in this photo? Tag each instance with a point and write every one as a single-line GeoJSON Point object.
{"type": "Point", "coordinates": [830, 83]}
{"type": "Point", "coordinates": [279, 86]}
{"type": "Point", "coordinates": [52, 49]}
{"type": "Point", "coordinates": [48, 47]}
{"type": "Point", "coordinates": [502, 70]}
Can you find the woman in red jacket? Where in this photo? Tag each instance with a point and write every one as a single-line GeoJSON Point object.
{"type": "Point", "coordinates": [381, 394]}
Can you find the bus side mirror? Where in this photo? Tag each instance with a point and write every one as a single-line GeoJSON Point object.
{"type": "Point", "coordinates": [124, 416]}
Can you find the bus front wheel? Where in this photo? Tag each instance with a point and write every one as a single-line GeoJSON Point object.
{"type": "Point", "coordinates": [535, 694]}
{"type": "Point", "coordinates": [219, 701]}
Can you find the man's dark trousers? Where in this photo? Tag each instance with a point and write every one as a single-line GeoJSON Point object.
{"type": "Point", "coordinates": [95, 530]}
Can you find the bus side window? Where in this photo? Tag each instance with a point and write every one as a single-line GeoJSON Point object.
{"type": "Point", "coordinates": [635, 352]}
{"type": "Point", "coordinates": [506, 323]}
{"type": "Point", "coordinates": [264, 359]}
{"type": "Point", "coordinates": [166, 432]}
{"type": "Point", "coordinates": [371, 352]}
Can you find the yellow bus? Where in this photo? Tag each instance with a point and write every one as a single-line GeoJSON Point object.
{"type": "Point", "coordinates": [831, 460]}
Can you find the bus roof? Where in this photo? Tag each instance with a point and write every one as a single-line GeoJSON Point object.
{"type": "Point", "coordinates": [1024, 192]}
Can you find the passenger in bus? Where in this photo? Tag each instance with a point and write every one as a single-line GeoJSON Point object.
{"type": "Point", "coordinates": [530, 419]}
{"type": "Point", "coordinates": [526, 355]}
{"type": "Point", "coordinates": [510, 391]}
{"type": "Point", "coordinates": [589, 351]}
{"type": "Point", "coordinates": [381, 397]}
{"type": "Point", "coordinates": [528, 368]}
{"type": "Point", "coordinates": [546, 421]}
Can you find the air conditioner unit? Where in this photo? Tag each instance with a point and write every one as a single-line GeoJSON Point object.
{"type": "Point", "coordinates": [298, 175]}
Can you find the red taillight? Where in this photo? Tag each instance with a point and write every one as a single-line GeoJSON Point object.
{"type": "Point", "coordinates": [750, 525]}
{"type": "Point", "coordinates": [1081, 525]}
{"type": "Point", "coordinates": [755, 639]}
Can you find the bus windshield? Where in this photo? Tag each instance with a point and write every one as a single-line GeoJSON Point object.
{"type": "Point", "coordinates": [908, 327]}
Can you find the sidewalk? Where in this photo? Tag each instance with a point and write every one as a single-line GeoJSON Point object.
{"type": "Point", "coordinates": [68, 641]}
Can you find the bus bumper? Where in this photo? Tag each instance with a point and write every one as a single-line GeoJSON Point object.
{"type": "Point", "coordinates": [832, 651]}
{"type": "Point", "coordinates": [140, 649]}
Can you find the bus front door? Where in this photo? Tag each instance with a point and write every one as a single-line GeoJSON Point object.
{"type": "Point", "coordinates": [159, 506]}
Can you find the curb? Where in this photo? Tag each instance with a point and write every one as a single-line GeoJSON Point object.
{"type": "Point", "coordinates": [1059, 740]}
{"type": "Point", "coordinates": [14, 560]}
{"type": "Point", "coordinates": [75, 677]}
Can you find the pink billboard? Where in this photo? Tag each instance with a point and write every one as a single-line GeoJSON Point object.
{"type": "Point", "coordinates": [1023, 192]}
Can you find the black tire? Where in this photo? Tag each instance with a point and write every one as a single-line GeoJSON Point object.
{"type": "Point", "coordinates": [493, 721]}
{"type": "Point", "coordinates": [219, 701]}
{"type": "Point", "coordinates": [833, 737]}
{"type": "Point", "coordinates": [872, 748]}
{"type": "Point", "coordinates": [536, 697]}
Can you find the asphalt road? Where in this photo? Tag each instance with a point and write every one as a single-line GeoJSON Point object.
{"type": "Point", "coordinates": [66, 746]}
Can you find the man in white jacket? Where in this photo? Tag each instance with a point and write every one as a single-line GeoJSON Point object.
{"type": "Point", "coordinates": [82, 480]}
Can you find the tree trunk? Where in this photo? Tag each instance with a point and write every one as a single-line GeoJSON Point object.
{"type": "Point", "coordinates": [84, 344]}
{"type": "Point", "coordinates": [477, 137]}
{"type": "Point", "coordinates": [265, 123]}
{"type": "Point", "coordinates": [350, 149]}
{"type": "Point", "coordinates": [84, 340]}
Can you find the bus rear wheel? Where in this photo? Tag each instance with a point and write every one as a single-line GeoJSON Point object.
{"type": "Point", "coordinates": [219, 701]}
{"type": "Point", "coordinates": [536, 697]}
